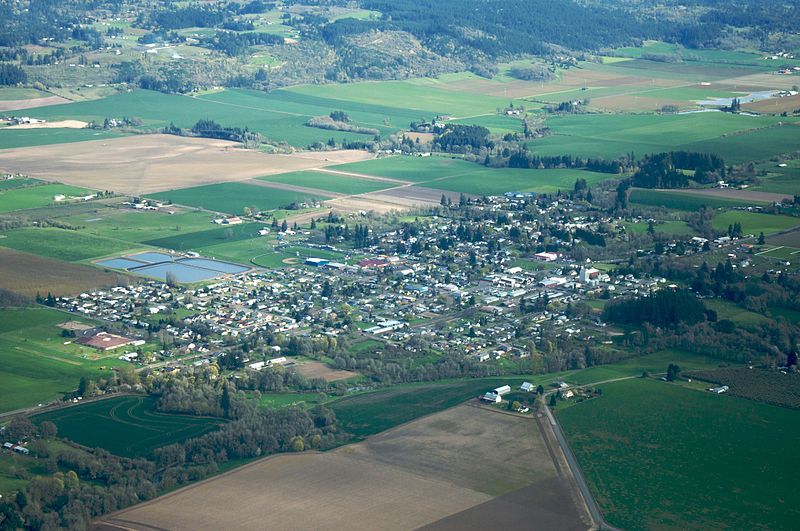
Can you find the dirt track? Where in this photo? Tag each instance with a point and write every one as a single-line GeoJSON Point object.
{"type": "Point", "coordinates": [144, 164]}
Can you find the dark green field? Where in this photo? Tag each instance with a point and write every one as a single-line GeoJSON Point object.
{"type": "Point", "coordinates": [677, 200]}
{"type": "Point", "coordinates": [329, 182]}
{"type": "Point", "coordinates": [232, 198]}
{"type": "Point", "coordinates": [127, 426]}
{"type": "Point", "coordinates": [16, 138]}
{"type": "Point", "coordinates": [660, 456]}
{"type": "Point", "coordinates": [62, 244]}
{"type": "Point", "coordinates": [204, 238]}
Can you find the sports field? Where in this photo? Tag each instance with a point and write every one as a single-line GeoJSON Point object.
{"type": "Point", "coordinates": [128, 426]}
{"type": "Point", "coordinates": [443, 472]}
{"type": "Point", "coordinates": [232, 198]}
{"type": "Point", "coordinates": [658, 455]}
{"type": "Point", "coordinates": [35, 364]}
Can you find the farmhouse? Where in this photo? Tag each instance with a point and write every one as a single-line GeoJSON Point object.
{"type": "Point", "coordinates": [105, 341]}
{"type": "Point", "coordinates": [492, 397]}
{"type": "Point", "coordinates": [527, 387]}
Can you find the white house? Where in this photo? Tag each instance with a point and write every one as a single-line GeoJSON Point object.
{"type": "Point", "coordinates": [494, 398]}
{"type": "Point", "coordinates": [527, 387]}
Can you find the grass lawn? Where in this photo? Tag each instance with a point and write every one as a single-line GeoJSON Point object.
{"type": "Point", "coordinates": [68, 245]}
{"type": "Point", "coordinates": [232, 198]}
{"type": "Point", "coordinates": [753, 222]}
{"type": "Point", "coordinates": [674, 228]}
{"type": "Point", "coordinates": [36, 196]}
{"type": "Point", "coordinates": [329, 182]}
{"type": "Point", "coordinates": [35, 365]}
{"type": "Point", "coordinates": [658, 455]}
{"type": "Point", "coordinates": [127, 426]}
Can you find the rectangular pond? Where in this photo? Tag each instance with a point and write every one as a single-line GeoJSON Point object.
{"type": "Point", "coordinates": [182, 272]}
{"type": "Point", "coordinates": [120, 263]}
{"type": "Point", "coordinates": [214, 265]}
{"type": "Point", "coordinates": [151, 257]}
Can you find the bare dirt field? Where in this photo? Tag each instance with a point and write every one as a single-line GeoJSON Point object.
{"type": "Point", "coordinates": [8, 105]}
{"type": "Point", "coordinates": [775, 105]}
{"type": "Point", "coordinates": [28, 274]}
{"type": "Point", "coordinates": [437, 472]}
{"type": "Point", "coordinates": [316, 369]}
{"type": "Point", "coordinates": [63, 124]}
{"type": "Point", "coordinates": [144, 164]}
{"type": "Point", "coordinates": [787, 239]}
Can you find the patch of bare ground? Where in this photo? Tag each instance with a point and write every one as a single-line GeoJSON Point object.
{"type": "Point", "coordinates": [63, 124]}
{"type": "Point", "coordinates": [764, 81]}
{"type": "Point", "coordinates": [29, 274]}
{"type": "Point", "coordinates": [360, 176]}
{"type": "Point", "coordinates": [316, 369]}
{"type": "Point", "coordinates": [294, 188]}
{"type": "Point", "coordinates": [788, 104]}
{"type": "Point", "coordinates": [13, 105]}
{"type": "Point", "coordinates": [443, 471]}
{"type": "Point", "coordinates": [144, 164]}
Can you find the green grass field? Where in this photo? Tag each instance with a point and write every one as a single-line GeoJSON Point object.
{"type": "Point", "coordinates": [35, 364]}
{"type": "Point", "coordinates": [655, 363]}
{"type": "Point", "coordinates": [753, 222]}
{"type": "Point", "coordinates": [612, 135]}
{"type": "Point", "coordinates": [14, 93]}
{"type": "Point", "coordinates": [730, 311]}
{"type": "Point", "coordinates": [413, 169]}
{"type": "Point", "coordinates": [19, 182]}
{"type": "Point", "coordinates": [127, 426]}
{"type": "Point", "coordinates": [780, 180]}
{"type": "Point", "coordinates": [341, 184]}
{"type": "Point", "coordinates": [219, 235]}
{"type": "Point", "coordinates": [677, 200]}
{"type": "Point", "coordinates": [675, 228]}
{"type": "Point", "coordinates": [139, 226]}
{"type": "Point", "coordinates": [36, 196]}
{"type": "Point", "coordinates": [232, 198]}
{"type": "Point", "coordinates": [495, 181]}
{"type": "Point", "coordinates": [15, 138]}
{"type": "Point", "coordinates": [68, 245]}
{"type": "Point", "coordinates": [659, 456]}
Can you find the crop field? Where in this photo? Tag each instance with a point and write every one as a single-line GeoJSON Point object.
{"type": "Point", "coordinates": [445, 467]}
{"type": "Point", "coordinates": [762, 385]}
{"type": "Point", "coordinates": [35, 196]}
{"type": "Point", "coordinates": [30, 274]}
{"type": "Point", "coordinates": [143, 164]}
{"type": "Point", "coordinates": [677, 228]}
{"type": "Point", "coordinates": [138, 226]}
{"type": "Point", "coordinates": [128, 426]}
{"type": "Point", "coordinates": [677, 200]}
{"type": "Point", "coordinates": [316, 369]}
{"type": "Point", "coordinates": [329, 182]}
{"type": "Point", "coordinates": [62, 244]}
{"type": "Point", "coordinates": [232, 198]}
{"type": "Point", "coordinates": [658, 455]}
{"type": "Point", "coordinates": [730, 311]}
{"type": "Point", "coordinates": [754, 222]}
{"type": "Point", "coordinates": [19, 138]}
{"type": "Point", "coordinates": [413, 169]}
{"type": "Point", "coordinates": [195, 240]}
{"type": "Point", "coordinates": [780, 180]}
{"type": "Point", "coordinates": [610, 136]}
{"type": "Point", "coordinates": [789, 239]}
{"type": "Point", "coordinates": [19, 182]}
{"type": "Point", "coordinates": [495, 181]}
{"type": "Point", "coordinates": [35, 364]}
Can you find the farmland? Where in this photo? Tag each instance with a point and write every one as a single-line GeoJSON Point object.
{"type": "Point", "coordinates": [761, 385]}
{"type": "Point", "coordinates": [36, 365]}
{"type": "Point", "coordinates": [30, 274]}
{"type": "Point", "coordinates": [232, 198]}
{"type": "Point", "coordinates": [328, 182]}
{"type": "Point", "coordinates": [127, 426]}
{"type": "Point", "coordinates": [677, 200]}
{"type": "Point", "coordinates": [753, 222]}
{"type": "Point", "coordinates": [443, 466]}
{"type": "Point", "coordinates": [20, 138]}
{"type": "Point", "coordinates": [142, 164]}
{"type": "Point", "coordinates": [35, 196]}
{"type": "Point", "coordinates": [67, 245]}
{"type": "Point", "coordinates": [639, 444]}
{"type": "Point", "coordinates": [204, 238]}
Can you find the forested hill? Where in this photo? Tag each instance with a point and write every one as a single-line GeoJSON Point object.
{"type": "Point", "coordinates": [499, 27]}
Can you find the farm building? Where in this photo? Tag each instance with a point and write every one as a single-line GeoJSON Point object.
{"type": "Point", "coordinates": [546, 257]}
{"type": "Point", "coordinates": [105, 341]}
{"type": "Point", "coordinates": [494, 398]}
{"type": "Point", "coordinates": [719, 390]}
{"type": "Point", "coordinates": [502, 390]}
{"type": "Point", "coordinates": [527, 387]}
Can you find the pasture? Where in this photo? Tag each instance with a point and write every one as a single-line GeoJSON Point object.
{"type": "Point", "coordinates": [413, 169]}
{"type": "Point", "coordinates": [678, 200]}
{"type": "Point", "coordinates": [780, 180]}
{"type": "Point", "coordinates": [754, 222]}
{"type": "Point", "coordinates": [35, 364]}
{"type": "Point", "coordinates": [18, 182]}
{"type": "Point", "coordinates": [612, 135]}
{"type": "Point", "coordinates": [445, 467]}
{"type": "Point", "coordinates": [20, 138]}
{"type": "Point", "coordinates": [329, 182]}
{"type": "Point", "coordinates": [218, 235]}
{"type": "Point", "coordinates": [128, 426]}
{"type": "Point", "coordinates": [658, 455]}
{"type": "Point", "coordinates": [232, 198]}
{"type": "Point", "coordinates": [30, 274]}
{"type": "Point", "coordinates": [62, 244]}
{"type": "Point", "coordinates": [36, 196]}
{"type": "Point", "coordinates": [142, 164]}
